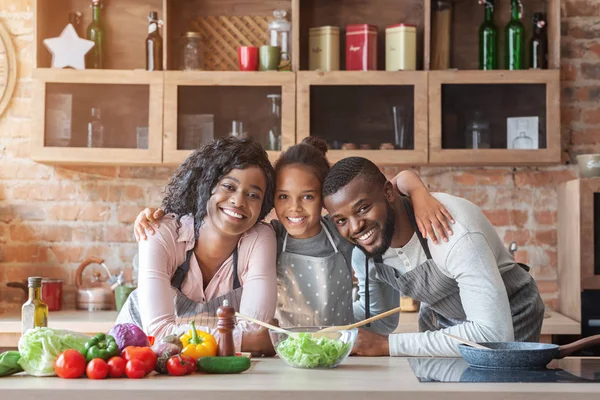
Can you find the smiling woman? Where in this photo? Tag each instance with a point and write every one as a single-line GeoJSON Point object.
{"type": "Point", "coordinates": [209, 247]}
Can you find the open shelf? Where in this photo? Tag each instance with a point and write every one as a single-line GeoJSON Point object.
{"type": "Point", "coordinates": [382, 13]}
{"type": "Point", "coordinates": [130, 105]}
{"type": "Point", "coordinates": [199, 106]}
{"type": "Point", "coordinates": [455, 97]}
{"type": "Point", "coordinates": [467, 16]}
{"type": "Point", "coordinates": [224, 24]}
{"type": "Point", "coordinates": [126, 26]}
{"type": "Point", "coordinates": [349, 109]}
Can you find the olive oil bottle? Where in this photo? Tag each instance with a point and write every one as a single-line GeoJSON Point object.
{"type": "Point", "coordinates": [34, 312]}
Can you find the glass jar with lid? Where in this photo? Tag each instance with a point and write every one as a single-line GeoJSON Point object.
{"type": "Point", "coordinates": [191, 52]}
{"type": "Point", "coordinates": [280, 34]}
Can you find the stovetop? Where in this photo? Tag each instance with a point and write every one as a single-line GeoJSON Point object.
{"type": "Point", "coordinates": [569, 370]}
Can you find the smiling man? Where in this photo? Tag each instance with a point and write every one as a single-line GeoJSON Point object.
{"type": "Point", "coordinates": [469, 286]}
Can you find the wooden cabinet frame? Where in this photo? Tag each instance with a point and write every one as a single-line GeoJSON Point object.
{"type": "Point", "coordinates": [174, 79]}
{"type": "Point", "coordinates": [552, 152]}
{"type": "Point", "coordinates": [576, 243]}
{"type": "Point", "coordinates": [418, 79]}
{"type": "Point", "coordinates": [84, 155]}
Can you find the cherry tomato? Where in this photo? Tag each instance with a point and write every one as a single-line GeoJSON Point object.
{"type": "Point", "coordinates": [177, 366]}
{"type": "Point", "coordinates": [116, 367]}
{"type": "Point", "coordinates": [97, 369]}
{"type": "Point", "coordinates": [190, 364]}
{"type": "Point", "coordinates": [135, 369]}
{"type": "Point", "coordinates": [70, 364]}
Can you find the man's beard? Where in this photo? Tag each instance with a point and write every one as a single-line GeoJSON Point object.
{"type": "Point", "coordinates": [387, 234]}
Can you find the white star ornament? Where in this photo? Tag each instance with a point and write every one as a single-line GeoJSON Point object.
{"type": "Point", "coordinates": [68, 50]}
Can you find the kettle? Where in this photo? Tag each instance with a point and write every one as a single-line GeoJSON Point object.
{"type": "Point", "coordinates": [96, 295]}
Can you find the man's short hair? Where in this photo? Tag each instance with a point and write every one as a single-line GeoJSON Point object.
{"type": "Point", "coordinates": [346, 170]}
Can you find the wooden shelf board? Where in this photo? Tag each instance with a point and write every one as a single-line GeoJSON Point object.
{"type": "Point", "coordinates": [98, 76]}
{"type": "Point", "coordinates": [484, 157]}
{"type": "Point", "coordinates": [382, 157]}
{"type": "Point", "coordinates": [176, 157]}
{"type": "Point", "coordinates": [230, 78]}
{"type": "Point", "coordinates": [360, 77]}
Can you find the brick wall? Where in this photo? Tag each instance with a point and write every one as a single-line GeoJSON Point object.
{"type": "Point", "coordinates": [52, 218]}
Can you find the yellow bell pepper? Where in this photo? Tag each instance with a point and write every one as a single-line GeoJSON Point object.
{"type": "Point", "coordinates": [197, 343]}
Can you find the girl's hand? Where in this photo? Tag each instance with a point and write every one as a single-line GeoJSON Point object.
{"type": "Point", "coordinates": [147, 220]}
{"type": "Point", "coordinates": [431, 214]}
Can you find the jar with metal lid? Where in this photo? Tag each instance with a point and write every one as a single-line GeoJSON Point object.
{"type": "Point", "coordinates": [324, 43]}
{"type": "Point", "coordinates": [400, 47]}
{"type": "Point", "coordinates": [191, 52]}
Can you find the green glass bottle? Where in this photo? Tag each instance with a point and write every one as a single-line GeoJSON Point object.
{"type": "Point", "coordinates": [95, 33]}
{"type": "Point", "coordinates": [488, 38]}
{"type": "Point", "coordinates": [515, 39]}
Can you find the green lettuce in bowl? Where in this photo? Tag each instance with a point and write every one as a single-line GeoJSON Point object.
{"type": "Point", "coordinates": [306, 350]}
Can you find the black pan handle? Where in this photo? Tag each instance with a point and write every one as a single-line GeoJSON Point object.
{"type": "Point", "coordinates": [568, 349]}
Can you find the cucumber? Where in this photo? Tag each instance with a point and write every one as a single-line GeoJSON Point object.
{"type": "Point", "coordinates": [223, 365]}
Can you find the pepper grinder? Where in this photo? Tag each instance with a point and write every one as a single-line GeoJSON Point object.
{"type": "Point", "coordinates": [225, 326]}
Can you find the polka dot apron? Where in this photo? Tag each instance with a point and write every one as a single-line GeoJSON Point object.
{"type": "Point", "coordinates": [313, 291]}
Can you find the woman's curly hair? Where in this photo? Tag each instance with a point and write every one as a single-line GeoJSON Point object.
{"type": "Point", "coordinates": [191, 186]}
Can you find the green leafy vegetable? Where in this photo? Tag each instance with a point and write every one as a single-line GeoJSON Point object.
{"type": "Point", "coordinates": [40, 347]}
{"type": "Point", "coordinates": [9, 363]}
{"type": "Point", "coordinates": [306, 351]}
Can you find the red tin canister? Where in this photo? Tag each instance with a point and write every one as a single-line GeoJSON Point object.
{"type": "Point", "coordinates": [361, 47]}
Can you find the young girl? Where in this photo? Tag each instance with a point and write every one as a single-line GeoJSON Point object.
{"type": "Point", "coordinates": [314, 270]}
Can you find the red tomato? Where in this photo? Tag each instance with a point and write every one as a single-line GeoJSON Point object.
{"type": "Point", "coordinates": [116, 367]}
{"type": "Point", "coordinates": [97, 369]}
{"type": "Point", "coordinates": [177, 366]}
{"type": "Point", "coordinates": [70, 364]}
{"type": "Point", "coordinates": [144, 354]}
{"type": "Point", "coordinates": [190, 364]}
{"type": "Point", "coordinates": [135, 369]}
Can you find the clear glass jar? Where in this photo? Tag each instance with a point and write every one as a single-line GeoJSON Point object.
{"type": "Point", "coordinates": [280, 34]}
{"type": "Point", "coordinates": [191, 52]}
{"type": "Point", "coordinates": [441, 34]}
{"type": "Point", "coordinates": [478, 132]}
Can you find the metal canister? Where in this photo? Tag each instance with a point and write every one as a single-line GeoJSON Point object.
{"type": "Point", "coordinates": [361, 47]}
{"type": "Point", "coordinates": [400, 47]}
{"type": "Point", "coordinates": [324, 42]}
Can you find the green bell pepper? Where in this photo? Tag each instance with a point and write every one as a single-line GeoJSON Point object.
{"type": "Point", "coordinates": [101, 346]}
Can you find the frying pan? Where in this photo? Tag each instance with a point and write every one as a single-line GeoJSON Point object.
{"type": "Point", "coordinates": [521, 355]}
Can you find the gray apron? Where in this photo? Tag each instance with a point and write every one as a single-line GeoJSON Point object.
{"type": "Point", "coordinates": [439, 295]}
{"type": "Point", "coordinates": [313, 291]}
{"type": "Point", "coordinates": [186, 310]}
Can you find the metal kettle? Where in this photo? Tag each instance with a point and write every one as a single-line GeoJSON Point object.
{"type": "Point", "coordinates": [98, 294]}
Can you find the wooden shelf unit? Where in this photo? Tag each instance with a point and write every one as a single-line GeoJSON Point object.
{"type": "Point", "coordinates": [578, 242]}
{"type": "Point", "coordinates": [126, 22]}
{"type": "Point", "coordinates": [124, 91]}
{"type": "Point", "coordinates": [468, 15]}
{"type": "Point", "coordinates": [263, 82]}
{"type": "Point", "coordinates": [548, 88]}
{"type": "Point", "coordinates": [351, 81]}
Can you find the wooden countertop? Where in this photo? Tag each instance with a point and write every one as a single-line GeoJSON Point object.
{"type": "Point", "coordinates": [102, 321]}
{"type": "Point", "coordinates": [270, 379]}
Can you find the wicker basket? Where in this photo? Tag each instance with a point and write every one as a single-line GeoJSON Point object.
{"type": "Point", "coordinates": [223, 35]}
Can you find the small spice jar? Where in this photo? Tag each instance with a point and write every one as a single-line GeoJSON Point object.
{"type": "Point", "coordinates": [191, 52]}
{"type": "Point", "coordinates": [324, 45]}
{"type": "Point", "coordinates": [361, 47]}
{"type": "Point", "coordinates": [400, 47]}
